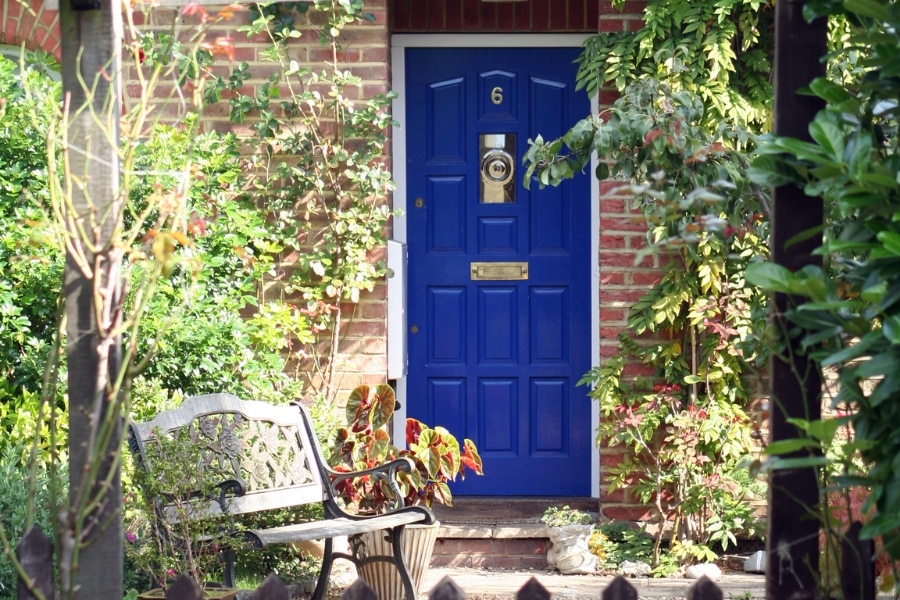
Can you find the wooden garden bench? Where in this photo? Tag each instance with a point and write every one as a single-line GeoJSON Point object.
{"type": "Point", "coordinates": [274, 457]}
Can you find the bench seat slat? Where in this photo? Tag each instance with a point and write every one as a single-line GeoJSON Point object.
{"type": "Point", "coordinates": [318, 530]}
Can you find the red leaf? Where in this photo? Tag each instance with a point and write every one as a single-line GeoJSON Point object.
{"type": "Point", "coordinates": [413, 430]}
{"type": "Point", "coordinates": [652, 135]}
{"type": "Point", "coordinates": [469, 459]}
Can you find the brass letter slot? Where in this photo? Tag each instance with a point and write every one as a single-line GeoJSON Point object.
{"type": "Point", "coordinates": [502, 271]}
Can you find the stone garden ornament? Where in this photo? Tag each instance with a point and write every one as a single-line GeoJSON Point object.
{"type": "Point", "coordinates": [569, 531]}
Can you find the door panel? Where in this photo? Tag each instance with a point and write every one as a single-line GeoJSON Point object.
{"type": "Point", "coordinates": [497, 360]}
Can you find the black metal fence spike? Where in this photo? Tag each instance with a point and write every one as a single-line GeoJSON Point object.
{"type": "Point", "coordinates": [272, 589]}
{"type": "Point", "coordinates": [619, 589]}
{"type": "Point", "coordinates": [35, 553]}
{"type": "Point", "coordinates": [184, 588]}
{"type": "Point", "coordinates": [704, 589]}
{"type": "Point", "coordinates": [360, 590]}
{"type": "Point", "coordinates": [447, 589]}
{"type": "Point", "coordinates": [533, 590]}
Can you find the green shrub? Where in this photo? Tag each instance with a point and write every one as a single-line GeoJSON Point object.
{"type": "Point", "coordinates": [624, 541]}
{"type": "Point", "coordinates": [32, 270]}
{"type": "Point", "coordinates": [19, 424]}
{"type": "Point", "coordinates": [197, 323]}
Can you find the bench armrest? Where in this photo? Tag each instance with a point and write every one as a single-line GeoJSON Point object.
{"type": "Point", "coordinates": [386, 472]}
{"type": "Point", "coordinates": [236, 487]}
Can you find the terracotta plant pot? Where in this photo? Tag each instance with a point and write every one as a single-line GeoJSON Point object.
{"type": "Point", "coordinates": [570, 553]}
{"type": "Point", "coordinates": [418, 544]}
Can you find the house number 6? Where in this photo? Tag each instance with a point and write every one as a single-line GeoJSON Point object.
{"type": "Point", "coordinates": [497, 95]}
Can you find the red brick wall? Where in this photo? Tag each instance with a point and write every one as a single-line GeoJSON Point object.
{"type": "Point", "coordinates": [475, 15]}
{"type": "Point", "coordinates": [38, 28]}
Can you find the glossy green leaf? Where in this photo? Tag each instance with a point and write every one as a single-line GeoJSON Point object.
{"type": "Point", "coordinates": [792, 445]}
{"type": "Point", "coordinates": [769, 276]}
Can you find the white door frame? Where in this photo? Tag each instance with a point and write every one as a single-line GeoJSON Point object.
{"type": "Point", "coordinates": [396, 327]}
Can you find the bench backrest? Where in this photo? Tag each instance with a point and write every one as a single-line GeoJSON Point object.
{"type": "Point", "coordinates": [266, 446]}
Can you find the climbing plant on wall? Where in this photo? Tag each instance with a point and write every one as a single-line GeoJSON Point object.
{"type": "Point", "coordinates": [716, 49]}
{"type": "Point", "coordinates": [685, 427]}
{"type": "Point", "coordinates": [325, 180]}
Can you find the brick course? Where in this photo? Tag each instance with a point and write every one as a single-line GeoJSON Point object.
{"type": "Point", "coordinates": [514, 553]}
{"type": "Point", "coordinates": [408, 16]}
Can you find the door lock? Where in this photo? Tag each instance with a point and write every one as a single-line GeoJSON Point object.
{"type": "Point", "coordinates": [498, 168]}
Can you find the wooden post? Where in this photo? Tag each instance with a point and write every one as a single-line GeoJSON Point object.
{"type": "Point", "coordinates": [792, 539]}
{"type": "Point", "coordinates": [91, 48]}
{"type": "Point", "coordinates": [35, 553]}
{"type": "Point", "coordinates": [857, 568]}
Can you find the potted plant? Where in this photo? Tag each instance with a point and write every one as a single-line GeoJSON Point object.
{"type": "Point", "coordinates": [437, 458]}
{"type": "Point", "coordinates": [170, 530]}
{"type": "Point", "coordinates": [570, 532]}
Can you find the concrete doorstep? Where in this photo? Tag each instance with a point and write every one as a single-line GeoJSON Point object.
{"type": "Point", "coordinates": [498, 585]}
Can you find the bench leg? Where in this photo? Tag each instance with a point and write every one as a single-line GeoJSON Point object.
{"type": "Point", "coordinates": [228, 559]}
{"type": "Point", "coordinates": [400, 562]}
{"type": "Point", "coordinates": [325, 573]}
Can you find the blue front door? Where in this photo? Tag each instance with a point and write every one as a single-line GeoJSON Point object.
{"type": "Point", "coordinates": [499, 276]}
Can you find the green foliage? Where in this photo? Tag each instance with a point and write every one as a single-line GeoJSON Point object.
{"type": "Point", "coordinates": [684, 427]}
{"type": "Point", "coordinates": [624, 542]}
{"type": "Point", "coordinates": [846, 314]}
{"type": "Point", "coordinates": [32, 270]}
{"type": "Point", "coordinates": [19, 423]}
{"type": "Point", "coordinates": [15, 494]}
{"type": "Point", "coordinates": [205, 345]}
{"type": "Point", "coordinates": [718, 50]}
{"type": "Point", "coordinates": [556, 516]}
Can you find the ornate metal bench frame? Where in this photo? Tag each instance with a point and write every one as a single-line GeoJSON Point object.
{"type": "Point", "coordinates": [275, 457]}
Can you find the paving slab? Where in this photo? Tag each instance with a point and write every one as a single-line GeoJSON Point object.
{"type": "Point", "coordinates": [499, 585]}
